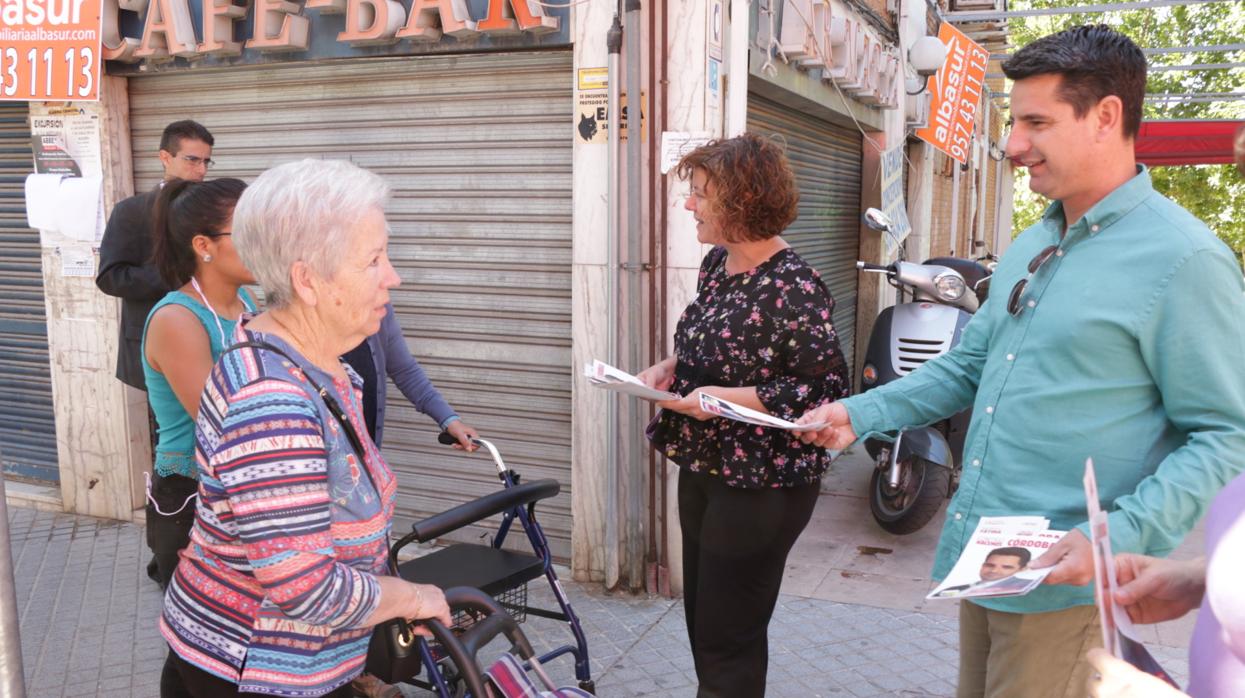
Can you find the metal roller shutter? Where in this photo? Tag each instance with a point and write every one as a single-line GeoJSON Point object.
{"type": "Point", "coordinates": [478, 151]}
{"type": "Point", "coordinates": [826, 160]}
{"type": "Point", "coordinates": [27, 426]}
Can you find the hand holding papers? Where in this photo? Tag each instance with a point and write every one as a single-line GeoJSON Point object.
{"type": "Point", "coordinates": [602, 375]}
{"type": "Point", "coordinates": [996, 560]}
{"type": "Point", "coordinates": [1119, 637]}
{"type": "Point", "coordinates": [729, 410]}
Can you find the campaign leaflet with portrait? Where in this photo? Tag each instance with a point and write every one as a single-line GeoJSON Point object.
{"type": "Point", "coordinates": [996, 560]}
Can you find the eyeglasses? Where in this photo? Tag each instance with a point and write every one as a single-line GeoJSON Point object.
{"type": "Point", "coordinates": [1014, 306]}
{"type": "Point", "coordinates": [195, 161]}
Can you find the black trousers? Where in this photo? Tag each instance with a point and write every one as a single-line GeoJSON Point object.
{"type": "Point", "coordinates": [735, 545]}
{"type": "Point", "coordinates": [167, 535]}
{"type": "Point", "coordinates": [205, 685]}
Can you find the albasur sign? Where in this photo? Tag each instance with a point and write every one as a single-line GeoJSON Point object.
{"type": "Point", "coordinates": [49, 50]}
{"type": "Point", "coordinates": [956, 92]}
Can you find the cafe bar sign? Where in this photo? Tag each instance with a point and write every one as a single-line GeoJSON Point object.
{"type": "Point", "coordinates": [228, 28]}
{"type": "Point", "coordinates": [825, 36]}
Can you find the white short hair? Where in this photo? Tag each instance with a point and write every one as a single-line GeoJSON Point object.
{"type": "Point", "coordinates": [302, 211]}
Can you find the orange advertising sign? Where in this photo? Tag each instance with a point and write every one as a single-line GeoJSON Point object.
{"type": "Point", "coordinates": [49, 50]}
{"type": "Point", "coordinates": [955, 91]}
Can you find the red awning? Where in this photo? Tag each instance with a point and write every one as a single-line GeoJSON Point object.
{"type": "Point", "coordinates": [1190, 142]}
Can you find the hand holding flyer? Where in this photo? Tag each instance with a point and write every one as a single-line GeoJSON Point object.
{"type": "Point", "coordinates": [996, 560]}
{"type": "Point", "coordinates": [1119, 637]}
{"type": "Point", "coordinates": [729, 410]}
{"type": "Point", "coordinates": [602, 375]}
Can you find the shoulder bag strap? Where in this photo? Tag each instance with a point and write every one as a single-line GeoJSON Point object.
{"type": "Point", "coordinates": [330, 402]}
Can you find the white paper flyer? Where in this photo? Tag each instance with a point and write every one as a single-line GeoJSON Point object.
{"type": "Point", "coordinates": [602, 375]}
{"type": "Point", "coordinates": [729, 410]}
{"type": "Point", "coordinates": [996, 560]}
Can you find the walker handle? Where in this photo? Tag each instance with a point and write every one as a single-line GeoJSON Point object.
{"type": "Point", "coordinates": [448, 439]}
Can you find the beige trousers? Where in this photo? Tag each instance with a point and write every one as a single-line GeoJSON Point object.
{"type": "Point", "coordinates": [1025, 655]}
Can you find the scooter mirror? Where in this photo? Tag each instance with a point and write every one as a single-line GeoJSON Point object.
{"type": "Point", "coordinates": [877, 220]}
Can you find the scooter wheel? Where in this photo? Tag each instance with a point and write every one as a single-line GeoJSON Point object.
{"type": "Point", "coordinates": [922, 489]}
{"type": "Point", "coordinates": [589, 686]}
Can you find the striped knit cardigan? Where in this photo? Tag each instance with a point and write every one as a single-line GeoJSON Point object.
{"type": "Point", "coordinates": [289, 534]}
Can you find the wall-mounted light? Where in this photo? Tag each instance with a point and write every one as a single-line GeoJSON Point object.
{"type": "Point", "coordinates": [926, 55]}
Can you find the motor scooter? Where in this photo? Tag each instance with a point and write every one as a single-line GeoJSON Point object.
{"type": "Point", "coordinates": [920, 468]}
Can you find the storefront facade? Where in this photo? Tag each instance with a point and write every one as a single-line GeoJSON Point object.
{"type": "Point", "coordinates": [465, 109]}
{"type": "Point", "coordinates": [475, 151]}
{"type": "Point", "coordinates": [489, 120]}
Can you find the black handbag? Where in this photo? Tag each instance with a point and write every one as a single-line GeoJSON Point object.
{"type": "Point", "coordinates": [392, 653]}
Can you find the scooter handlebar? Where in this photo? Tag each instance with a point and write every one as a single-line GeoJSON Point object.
{"type": "Point", "coordinates": [865, 266]}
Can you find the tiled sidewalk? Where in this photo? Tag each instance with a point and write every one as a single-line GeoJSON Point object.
{"type": "Point", "coordinates": [88, 629]}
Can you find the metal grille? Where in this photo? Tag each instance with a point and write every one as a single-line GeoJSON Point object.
{"type": "Point", "coordinates": [477, 149]}
{"type": "Point", "coordinates": [911, 353]}
{"type": "Point", "coordinates": [27, 426]}
{"type": "Point", "coordinates": [826, 160]}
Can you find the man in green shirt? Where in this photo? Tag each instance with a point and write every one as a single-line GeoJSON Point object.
{"type": "Point", "coordinates": [1120, 340]}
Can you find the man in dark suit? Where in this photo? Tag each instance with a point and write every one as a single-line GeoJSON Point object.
{"type": "Point", "coordinates": [125, 268]}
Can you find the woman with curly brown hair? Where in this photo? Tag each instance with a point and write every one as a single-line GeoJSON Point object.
{"type": "Point", "coordinates": [758, 334]}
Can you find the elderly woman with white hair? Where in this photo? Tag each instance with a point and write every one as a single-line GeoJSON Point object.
{"type": "Point", "coordinates": [286, 572]}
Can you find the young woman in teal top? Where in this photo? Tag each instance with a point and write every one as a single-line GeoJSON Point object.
{"type": "Point", "coordinates": [185, 334]}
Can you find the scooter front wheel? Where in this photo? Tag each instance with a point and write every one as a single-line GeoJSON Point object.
{"type": "Point", "coordinates": [907, 508]}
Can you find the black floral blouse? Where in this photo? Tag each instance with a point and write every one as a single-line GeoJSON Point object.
{"type": "Point", "coordinates": [770, 328]}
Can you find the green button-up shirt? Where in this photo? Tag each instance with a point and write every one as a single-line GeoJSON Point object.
{"type": "Point", "coordinates": [1128, 350]}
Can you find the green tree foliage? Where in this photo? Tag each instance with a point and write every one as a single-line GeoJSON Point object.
{"type": "Point", "coordinates": [1214, 193]}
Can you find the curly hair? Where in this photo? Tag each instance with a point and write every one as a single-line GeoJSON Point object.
{"type": "Point", "coordinates": [754, 192]}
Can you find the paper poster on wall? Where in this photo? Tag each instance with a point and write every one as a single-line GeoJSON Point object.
{"type": "Point", "coordinates": [81, 200]}
{"type": "Point", "coordinates": [713, 95]}
{"type": "Point", "coordinates": [52, 155]}
{"type": "Point", "coordinates": [592, 116]}
{"type": "Point", "coordinates": [893, 198]}
{"type": "Point", "coordinates": [65, 143]}
{"type": "Point", "coordinates": [42, 194]}
{"type": "Point", "coordinates": [77, 260]}
{"type": "Point", "coordinates": [65, 209]}
{"type": "Point", "coordinates": [676, 144]}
